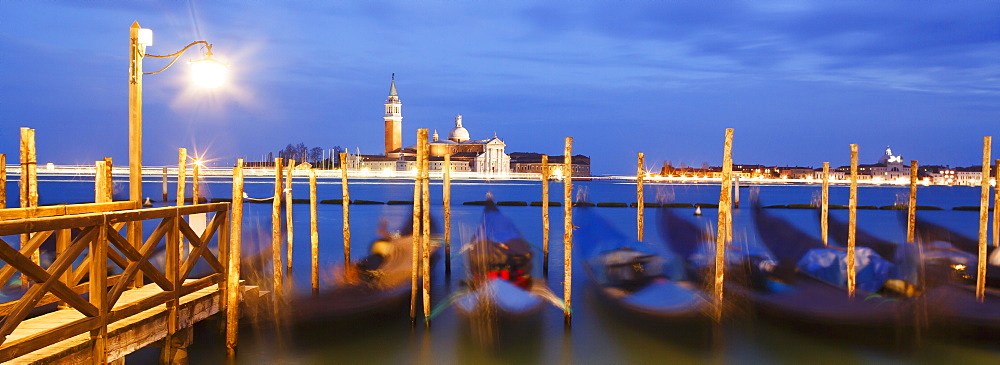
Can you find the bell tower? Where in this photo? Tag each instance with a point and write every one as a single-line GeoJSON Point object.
{"type": "Point", "coordinates": [393, 120]}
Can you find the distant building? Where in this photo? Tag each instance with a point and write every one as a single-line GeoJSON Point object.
{"type": "Point", "coordinates": [937, 175]}
{"type": "Point", "coordinates": [527, 162]}
{"type": "Point", "coordinates": [482, 156]}
{"type": "Point", "coordinates": [890, 168]}
{"type": "Point", "coordinates": [755, 171]}
{"type": "Point", "coordinates": [972, 175]}
{"type": "Point", "coordinates": [796, 172]}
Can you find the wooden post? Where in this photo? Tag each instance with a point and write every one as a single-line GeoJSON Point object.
{"type": "Point", "coordinates": [181, 175]}
{"type": "Point", "coordinates": [99, 291]}
{"type": "Point", "coordinates": [181, 184]}
{"type": "Point", "coordinates": [984, 216]}
{"type": "Point", "coordinates": [545, 214]}
{"type": "Point", "coordinates": [824, 206]}
{"type": "Point", "coordinates": [29, 178]}
{"type": "Point", "coordinates": [165, 185]}
{"type": "Point", "coordinates": [447, 213]}
{"type": "Point", "coordinates": [736, 196]}
{"type": "Point", "coordinates": [195, 187]}
{"type": "Point", "coordinates": [101, 182]}
{"type": "Point", "coordinates": [314, 231]}
{"type": "Point", "coordinates": [346, 205]}
{"type": "Point", "coordinates": [852, 222]}
{"type": "Point", "coordinates": [276, 236]}
{"type": "Point", "coordinates": [174, 245]}
{"type": "Point", "coordinates": [722, 235]}
{"type": "Point", "coordinates": [63, 240]}
{"type": "Point", "coordinates": [568, 232]}
{"type": "Point", "coordinates": [235, 248]}
{"type": "Point", "coordinates": [109, 193]}
{"type": "Point", "coordinates": [415, 258]}
{"type": "Point", "coordinates": [996, 204]}
{"type": "Point", "coordinates": [289, 226]}
{"type": "Point", "coordinates": [911, 208]}
{"type": "Point", "coordinates": [729, 209]}
{"type": "Point", "coordinates": [640, 200]}
{"type": "Point", "coordinates": [29, 185]}
{"type": "Point", "coordinates": [425, 236]}
{"type": "Point", "coordinates": [3, 181]}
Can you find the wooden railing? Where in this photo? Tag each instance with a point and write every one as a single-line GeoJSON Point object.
{"type": "Point", "coordinates": [97, 240]}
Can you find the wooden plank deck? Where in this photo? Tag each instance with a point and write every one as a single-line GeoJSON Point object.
{"type": "Point", "coordinates": [124, 336]}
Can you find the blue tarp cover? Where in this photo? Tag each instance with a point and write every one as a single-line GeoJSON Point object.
{"type": "Point", "coordinates": [830, 265]}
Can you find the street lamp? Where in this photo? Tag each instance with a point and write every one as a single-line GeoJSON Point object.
{"type": "Point", "coordinates": [208, 72]}
{"type": "Point", "coordinates": [208, 68]}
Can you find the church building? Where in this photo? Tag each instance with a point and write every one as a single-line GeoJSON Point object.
{"type": "Point", "coordinates": [484, 156]}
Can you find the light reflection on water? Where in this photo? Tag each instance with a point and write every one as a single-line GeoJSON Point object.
{"type": "Point", "coordinates": [596, 335]}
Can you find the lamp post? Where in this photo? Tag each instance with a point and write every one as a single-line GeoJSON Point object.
{"type": "Point", "coordinates": [211, 74]}
{"type": "Point", "coordinates": [208, 72]}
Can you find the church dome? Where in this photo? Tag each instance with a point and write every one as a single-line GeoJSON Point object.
{"type": "Point", "coordinates": [459, 133]}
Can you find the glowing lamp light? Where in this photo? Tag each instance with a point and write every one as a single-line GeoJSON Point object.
{"type": "Point", "coordinates": [145, 37]}
{"type": "Point", "coordinates": [208, 72]}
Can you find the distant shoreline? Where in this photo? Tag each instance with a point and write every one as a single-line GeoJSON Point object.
{"type": "Point", "coordinates": [157, 171]}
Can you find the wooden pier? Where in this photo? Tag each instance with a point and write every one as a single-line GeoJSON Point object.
{"type": "Point", "coordinates": [86, 305]}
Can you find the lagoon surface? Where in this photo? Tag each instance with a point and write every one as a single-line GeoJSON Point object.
{"type": "Point", "coordinates": [596, 336]}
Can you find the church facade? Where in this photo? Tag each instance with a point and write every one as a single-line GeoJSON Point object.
{"type": "Point", "coordinates": [482, 156]}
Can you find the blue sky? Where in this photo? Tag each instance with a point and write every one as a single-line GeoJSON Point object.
{"type": "Point", "coordinates": [798, 80]}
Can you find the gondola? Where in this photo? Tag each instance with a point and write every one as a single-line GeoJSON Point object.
{"type": "Point", "coordinates": [961, 253]}
{"type": "Point", "coordinates": [696, 246]}
{"type": "Point", "coordinates": [501, 281]}
{"type": "Point", "coordinates": [946, 281]}
{"type": "Point", "coordinates": [803, 290]}
{"type": "Point", "coordinates": [643, 280]}
{"type": "Point", "coordinates": [375, 285]}
{"type": "Point", "coordinates": [950, 264]}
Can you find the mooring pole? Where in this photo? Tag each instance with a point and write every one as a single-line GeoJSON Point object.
{"type": "Point", "coordinates": [911, 207]}
{"type": "Point", "coordinates": [425, 236]}
{"type": "Point", "coordinates": [996, 204]}
{"type": "Point", "coordinates": [345, 203]}
{"type": "Point", "coordinates": [568, 232]}
{"type": "Point", "coordinates": [722, 233]}
{"type": "Point", "coordinates": [101, 182]}
{"type": "Point", "coordinates": [447, 213]}
{"type": "Point", "coordinates": [824, 216]}
{"type": "Point", "coordinates": [195, 186]}
{"type": "Point", "coordinates": [736, 195]}
{"type": "Point", "coordinates": [109, 192]}
{"type": "Point", "coordinates": [852, 222]}
{"type": "Point", "coordinates": [314, 231]}
{"type": "Point", "coordinates": [415, 234]}
{"type": "Point", "coordinates": [235, 248]}
{"type": "Point", "coordinates": [165, 187]}
{"type": "Point", "coordinates": [545, 214]}
{"type": "Point", "coordinates": [640, 172]}
{"type": "Point", "coordinates": [290, 237]}
{"type": "Point", "coordinates": [29, 184]}
{"type": "Point", "coordinates": [181, 175]}
{"type": "Point", "coordinates": [181, 184]}
{"type": "Point", "coordinates": [276, 237]}
{"type": "Point", "coordinates": [984, 216]}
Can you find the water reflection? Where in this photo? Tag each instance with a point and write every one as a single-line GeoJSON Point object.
{"type": "Point", "coordinates": [597, 335]}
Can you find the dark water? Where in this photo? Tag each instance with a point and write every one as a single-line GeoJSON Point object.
{"type": "Point", "coordinates": [597, 336]}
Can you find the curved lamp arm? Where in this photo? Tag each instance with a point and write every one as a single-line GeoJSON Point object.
{"type": "Point", "coordinates": [177, 55]}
